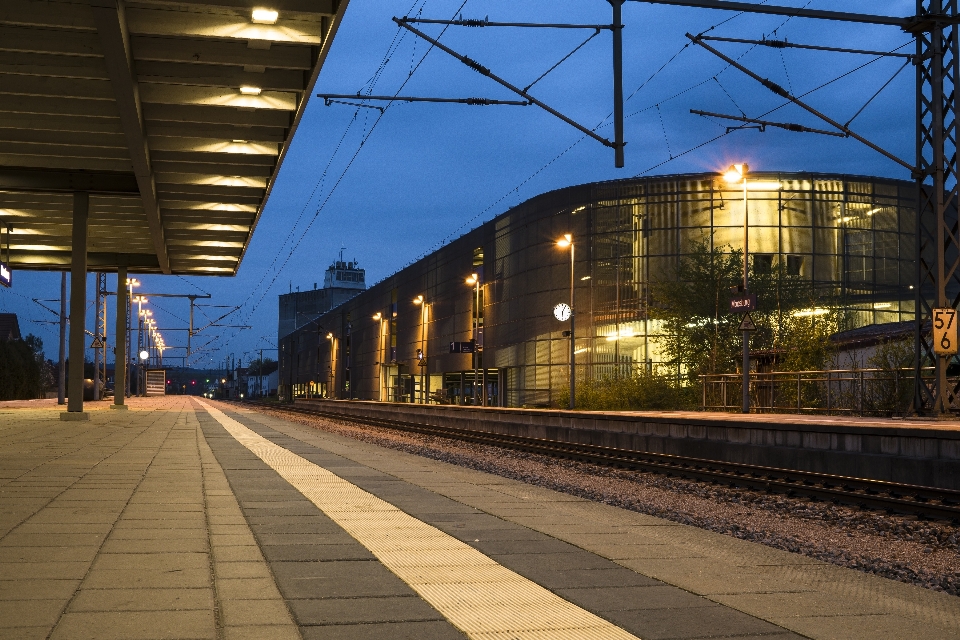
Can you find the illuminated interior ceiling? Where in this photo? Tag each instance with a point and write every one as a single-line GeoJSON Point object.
{"type": "Point", "coordinates": [173, 116]}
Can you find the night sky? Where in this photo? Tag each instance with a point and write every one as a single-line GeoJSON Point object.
{"type": "Point", "coordinates": [392, 187]}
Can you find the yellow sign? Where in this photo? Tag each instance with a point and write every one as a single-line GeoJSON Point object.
{"type": "Point", "coordinates": [945, 331]}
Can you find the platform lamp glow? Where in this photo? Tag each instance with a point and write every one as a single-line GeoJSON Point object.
{"type": "Point", "coordinates": [420, 352]}
{"type": "Point", "coordinates": [333, 374]}
{"type": "Point", "coordinates": [378, 317]}
{"type": "Point", "coordinates": [737, 174]}
{"type": "Point", "coordinates": [474, 281]}
{"type": "Point", "coordinates": [563, 243]}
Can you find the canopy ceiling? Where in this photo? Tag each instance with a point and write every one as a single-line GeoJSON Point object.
{"type": "Point", "coordinates": [174, 116]}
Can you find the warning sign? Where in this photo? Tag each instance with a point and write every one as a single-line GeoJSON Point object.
{"type": "Point", "coordinates": [97, 343]}
{"type": "Point", "coordinates": [747, 323]}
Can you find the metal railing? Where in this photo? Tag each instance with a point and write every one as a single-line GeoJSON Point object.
{"type": "Point", "coordinates": [836, 391]}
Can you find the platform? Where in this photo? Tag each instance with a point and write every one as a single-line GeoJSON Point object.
{"type": "Point", "coordinates": [918, 452]}
{"type": "Point", "coordinates": [190, 520]}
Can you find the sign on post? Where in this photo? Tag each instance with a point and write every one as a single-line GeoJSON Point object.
{"type": "Point", "coordinates": [743, 303]}
{"type": "Point", "coordinates": [462, 347]}
{"type": "Point", "coordinates": [945, 332]}
{"type": "Point", "coordinates": [6, 276]}
{"type": "Point", "coordinates": [747, 324]}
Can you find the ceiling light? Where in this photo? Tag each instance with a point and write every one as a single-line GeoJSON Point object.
{"type": "Point", "coordinates": [248, 90]}
{"type": "Point", "coordinates": [264, 16]}
{"type": "Point", "coordinates": [240, 142]}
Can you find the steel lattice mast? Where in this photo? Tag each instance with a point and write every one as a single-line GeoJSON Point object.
{"type": "Point", "coordinates": [938, 246]}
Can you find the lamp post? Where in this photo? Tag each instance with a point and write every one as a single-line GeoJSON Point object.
{"type": "Point", "coordinates": [421, 353]}
{"type": "Point", "coordinates": [332, 380]}
{"type": "Point", "coordinates": [564, 242]}
{"type": "Point", "coordinates": [474, 280]}
{"type": "Point", "coordinates": [737, 174]}
{"type": "Point", "coordinates": [378, 317]}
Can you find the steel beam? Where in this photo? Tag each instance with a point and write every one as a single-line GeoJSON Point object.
{"type": "Point", "coordinates": [115, 43]}
{"type": "Point", "coordinates": [120, 348]}
{"type": "Point", "coordinates": [796, 12]}
{"type": "Point", "coordinates": [59, 180]}
{"type": "Point", "coordinates": [78, 304]}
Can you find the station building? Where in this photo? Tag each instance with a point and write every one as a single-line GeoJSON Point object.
{"type": "Point", "coordinates": [853, 237]}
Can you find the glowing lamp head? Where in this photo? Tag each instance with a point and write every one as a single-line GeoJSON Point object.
{"type": "Point", "coordinates": [473, 279]}
{"type": "Point", "coordinates": [329, 336]}
{"type": "Point", "coordinates": [262, 15]}
{"type": "Point", "coordinates": [736, 173]}
{"type": "Point", "coordinates": [144, 354]}
{"type": "Point", "coordinates": [565, 241]}
{"type": "Point", "coordinates": [249, 90]}
{"type": "Point", "coordinates": [418, 300]}
{"type": "Point", "coordinates": [377, 315]}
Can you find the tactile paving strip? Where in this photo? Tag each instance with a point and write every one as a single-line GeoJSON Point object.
{"type": "Point", "coordinates": [476, 594]}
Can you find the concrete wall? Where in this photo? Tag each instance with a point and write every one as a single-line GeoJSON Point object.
{"type": "Point", "coordinates": [888, 450]}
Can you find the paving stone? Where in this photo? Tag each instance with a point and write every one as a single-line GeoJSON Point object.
{"type": "Point", "coordinates": [254, 612]}
{"type": "Point", "coordinates": [393, 630]}
{"type": "Point", "coordinates": [362, 610]}
{"type": "Point", "coordinates": [142, 600]}
{"type": "Point", "coordinates": [139, 625]}
{"type": "Point", "coordinates": [29, 613]}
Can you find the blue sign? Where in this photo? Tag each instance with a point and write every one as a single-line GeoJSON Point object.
{"type": "Point", "coordinates": [6, 276]}
{"type": "Point", "coordinates": [462, 347]}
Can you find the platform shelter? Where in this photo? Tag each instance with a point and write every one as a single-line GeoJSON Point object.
{"type": "Point", "coordinates": [145, 137]}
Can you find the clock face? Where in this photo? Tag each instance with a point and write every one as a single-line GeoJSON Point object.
{"type": "Point", "coordinates": [562, 312]}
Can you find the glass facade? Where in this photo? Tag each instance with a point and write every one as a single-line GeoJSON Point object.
{"type": "Point", "coordinates": [852, 237]}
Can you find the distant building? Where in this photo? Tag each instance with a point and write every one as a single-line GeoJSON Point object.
{"type": "Point", "coordinates": [9, 327]}
{"type": "Point", "coordinates": [852, 238]}
{"type": "Point", "coordinates": [262, 386]}
{"type": "Point", "coordinates": [342, 281]}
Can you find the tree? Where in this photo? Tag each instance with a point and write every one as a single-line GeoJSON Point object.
{"type": "Point", "coordinates": [21, 368]}
{"type": "Point", "coordinates": [702, 336]}
{"type": "Point", "coordinates": [699, 333]}
{"type": "Point", "coordinates": [268, 366]}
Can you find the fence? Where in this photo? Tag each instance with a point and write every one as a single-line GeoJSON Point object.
{"type": "Point", "coordinates": [852, 391]}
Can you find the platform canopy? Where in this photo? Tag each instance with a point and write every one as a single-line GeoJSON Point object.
{"type": "Point", "coordinates": [173, 116]}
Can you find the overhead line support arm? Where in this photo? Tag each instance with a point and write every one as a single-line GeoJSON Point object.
{"type": "Point", "coordinates": [789, 126]}
{"type": "Point", "coordinates": [783, 93]}
{"type": "Point", "coordinates": [795, 12]}
{"type": "Point", "coordinates": [783, 44]}
{"type": "Point", "coordinates": [488, 23]}
{"type": "Point", "coordinates": [482, 70]}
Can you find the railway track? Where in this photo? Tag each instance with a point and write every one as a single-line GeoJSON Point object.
{"type": "Point", "coordinates": [923, 502]}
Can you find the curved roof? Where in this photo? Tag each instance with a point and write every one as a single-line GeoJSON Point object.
{"type": "Point", "coordinates": [173, 116]}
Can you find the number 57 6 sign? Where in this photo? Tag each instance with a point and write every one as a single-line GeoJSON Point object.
{"type": "Point", "coordinates": [945, 331]}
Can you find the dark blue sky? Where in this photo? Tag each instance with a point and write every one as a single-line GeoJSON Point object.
{"type": "Point", "coordinates": [426, 173]}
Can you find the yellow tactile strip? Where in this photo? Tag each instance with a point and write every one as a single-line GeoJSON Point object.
{"type": "Point", "coordinates": [480, 597]}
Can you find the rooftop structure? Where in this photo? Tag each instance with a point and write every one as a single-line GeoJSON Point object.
{"type": "Point", "coordinates": [341, 282]}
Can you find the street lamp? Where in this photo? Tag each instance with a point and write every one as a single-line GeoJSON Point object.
{"type": "Point", "coordinates": [332, 379]}
{"type": "Point", "coordinates": [563, 243]}
{"type": "Point", "coordinates": [421, 354]}
{"type": "Point", "coordinates": [474, 280]}
{"type": "Point", "coordinates": [737, 174]}
{"type": "Point", "coordinates": [378, 317]}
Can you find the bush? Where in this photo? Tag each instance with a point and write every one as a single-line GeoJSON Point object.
{"type": "Point", "coordinates": [631, 393]}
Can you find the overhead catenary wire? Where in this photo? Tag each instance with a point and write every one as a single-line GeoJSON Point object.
{"type": "Point", "coordinates": [330, 193]}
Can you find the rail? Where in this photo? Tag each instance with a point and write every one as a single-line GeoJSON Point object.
{"type": "Point", "coordinates": [928, 502]}
{"type": "Point", "coordinates": [886, 392]}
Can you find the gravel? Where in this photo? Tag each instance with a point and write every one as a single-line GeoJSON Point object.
{"type": "Point", "coordinates": [920, 552]}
